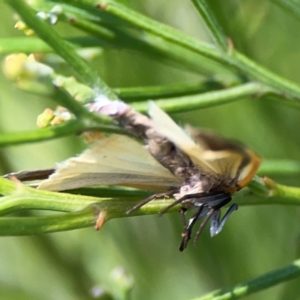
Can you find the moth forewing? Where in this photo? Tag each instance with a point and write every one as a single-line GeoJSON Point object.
{"type": "Point", "coordinates": [232, 159]}
{"type": "Point", "coordinates": [113, 160]}
{"type": "Point", "coordinates": [212, 154]}
{"type": "Point", "coordinates": [165, 126]}
{"type": "Point", "coordinates": [168, 128]}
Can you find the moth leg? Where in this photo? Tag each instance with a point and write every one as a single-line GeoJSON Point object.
{"type": "Point", "coordinates": [210, 199]}
{"type": "Point", "coordinates": [180, 200]}
{"type": "Point", "coordinates": [182, 212]}
{"type": "Point", "coordinates": [170, 206]}
{"type": "Point", "coordinates": [186, 236]}
{"type": "Point", "coordinates": [209, 214]}
{"type": "Point", "coordinates": [217, 225]}
{"type": "Point", "coordinates": [148, 199]}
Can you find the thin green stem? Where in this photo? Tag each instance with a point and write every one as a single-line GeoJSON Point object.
{"type": "Point", "coordinates": [43, 134]}
{"type": "Point", "coordinates": [272, 193]}
{"type": "Point", "coordinates": [205, 100]}
{"type": "Point", "coordinates": [89, 119]}
{"type": "Point", "coordinates": [144, 42]}
{"type": "Point", "coordinates": [45, 32]}
{"type": "Point", "coordinates": [17, 226]}
{"type": "Point", "coordinates": [64, 99]}
{"type": "Point", "coordinates": [157, 28]}
{"type": "Point", "coordinates": [255, 285]}
{"type": "Point", "coordinates": [288, 193]}
{"type": "Point", "coordinates": [19, 197]}
{"type": "Point", "coordinates": [56, 131]}
{"type": "Point", "coordinates": [280, 168]}
{"type": "Point", "coordinates": [165, 91]}
{"type": "Point", "coordinates": [287, 88]}
{"type": "Point", "coordinates": [33, 44]}
{"type": "Point", "coordinates": [212, 24]}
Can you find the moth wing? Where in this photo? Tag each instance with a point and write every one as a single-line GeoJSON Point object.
{"type": "Point", "coordinates": [233, 159]}
{"type": "Point", "coordinates": [211, 153]}
{"type": "Point", "coordinates": [115, 160]}
{"type": "Point", "coordinates": [165, 126]}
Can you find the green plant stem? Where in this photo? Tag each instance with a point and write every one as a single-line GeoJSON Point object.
{"type": "Point", "coordinates": [211, 22]}
{"type": "Point", "coordinates": [289, 193]}
{"type": "Point", "coordinates": [43, 134]}
{"type": "Point", "coordinates": [32, 44]}
{"type": "Point", "coordinates": [94, 121]}
{"type": "Point", "coordinates": [209, 99]}
{"type": "Point", "coordinates": [271, 193]}
{"type": "Point", "coordinates": [166, 91]}
{"type": "Point", "coordinates": [17, 197]}
{"type": "Point", "coordinates": [235, 60]}
{"type": "Point", "coordinates": [17, 226]}
{"type": "Point", "coordinates": [91, 121]}
{"type": "Point", "coordinates": [240, 61]}
{"type": "Point", "coordinates": [53, 132]}
{"type": "Point", "coordinates": [115, 35]}
{"type": "Point", "coordinates": [140, 21]}
{"type": "Point", "coordinates": [64, 99]}
{"type": "Point", "coordinates": [287, 88]}
{"type": "Point", "coordinates": [280, 168]}
{"type": "Point", "coordinates": [144, 42]}
{"type": "Point", "coordinates": [45, 32]}
{"type": "Point", "coordinates": [255, 285]}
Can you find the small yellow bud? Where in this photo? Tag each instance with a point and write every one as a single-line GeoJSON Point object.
{"type": "Point", "coordinates": [57, 120]}
{"type": "Point", "coordinates": [20, 25]}
{"type": "Point", "coordinates": [45, 118]}
{"type": "Point", "coordinates": [13, 66]}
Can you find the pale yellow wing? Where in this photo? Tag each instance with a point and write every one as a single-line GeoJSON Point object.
{"type": "Point", "coordinates": [233, 159]}
{"type": "Point", "coordinates": [165, 126]}
{"type": "Point", "coordinates": [114, 160]}
{"type": "Point", "coordinates": [211, 153]}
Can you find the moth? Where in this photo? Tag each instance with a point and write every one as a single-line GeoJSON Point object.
{"type": "Point", "coordinates": [213, 169]}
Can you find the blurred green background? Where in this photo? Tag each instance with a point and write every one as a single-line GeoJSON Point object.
{"type": "Point", "coordinates": [255, 240]}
